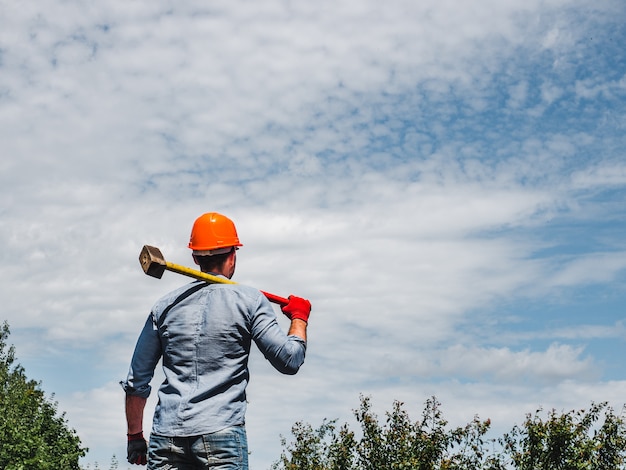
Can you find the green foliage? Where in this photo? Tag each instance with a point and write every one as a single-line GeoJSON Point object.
{"type": "Point", "coordinates": [578, 440]}
{"type": "Point", "coordinates": [34, 436]}
{"type": "Point", "coordinates": [315, 448]}
{"type": "Point", "coordinates": [570, 441]}
{"type": "Point", "coordinates": [398, 444]}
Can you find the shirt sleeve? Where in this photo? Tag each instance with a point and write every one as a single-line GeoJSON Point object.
{"type": "Point", "coordinates": [285, 352]}
{"type": "Point", "coordinates": [145, 358]}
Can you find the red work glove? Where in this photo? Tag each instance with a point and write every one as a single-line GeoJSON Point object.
{"type": "Point", "coordinates": [137, 449]}
{"type": "Point", "coordinates": [297, 308]}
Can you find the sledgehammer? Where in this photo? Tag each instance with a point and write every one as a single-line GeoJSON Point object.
{"type": "Point", "coordinates": [154, 265]}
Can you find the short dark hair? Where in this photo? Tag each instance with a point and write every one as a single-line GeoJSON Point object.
{"type": "Point", "coordinates": [212, 263]}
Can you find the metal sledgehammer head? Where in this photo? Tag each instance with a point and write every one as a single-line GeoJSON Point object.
{"type": "Point", "coordinates": [152, 261]}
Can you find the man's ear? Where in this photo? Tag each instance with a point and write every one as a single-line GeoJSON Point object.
{"type": "Point", "coordinates": [195, 260]}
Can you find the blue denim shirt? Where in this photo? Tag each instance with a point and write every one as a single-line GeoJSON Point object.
{"type": "Point", "coordinates": [204, 341]}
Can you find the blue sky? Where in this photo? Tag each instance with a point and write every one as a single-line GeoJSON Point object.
{"type": "Point", "coordinates": [445, 180]}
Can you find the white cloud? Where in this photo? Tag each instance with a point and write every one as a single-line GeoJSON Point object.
{"type": "Point", "coordinates": [604, 175]}
{"type": "Point", "coordinates": [406, 165]}
{"type": "Point", "coordinates": [590, 268]}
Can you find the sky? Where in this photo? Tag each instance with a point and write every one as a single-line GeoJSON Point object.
{"type": "Point", "coordinates": [444, 180]}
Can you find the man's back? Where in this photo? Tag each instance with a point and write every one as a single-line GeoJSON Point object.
{"type": "Point", "coordinates": [205, 341]}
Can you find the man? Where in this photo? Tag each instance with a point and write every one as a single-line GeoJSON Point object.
{"type": "Point", "coordinates": [203, 334]}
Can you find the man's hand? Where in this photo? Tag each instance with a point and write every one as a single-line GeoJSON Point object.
{"type": "Point", "coordinates": [137, 449]}
{"type": "Point", "coordinates": [297, 308]}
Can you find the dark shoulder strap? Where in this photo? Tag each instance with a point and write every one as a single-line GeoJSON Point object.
{"type": "Point", "coordinates": [180, 298]}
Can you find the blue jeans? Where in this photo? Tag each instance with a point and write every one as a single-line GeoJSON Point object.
{"type": "Point", "coordinates": [222, 450]}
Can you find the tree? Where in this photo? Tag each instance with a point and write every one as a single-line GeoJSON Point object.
{"type": "Point", "coordinates": [398, 444]}
{"type": "Point", "coordinates": [34, 435]}
{"type": "Point", "coordinates": [573, 441]}
{"type": "Point", "coordinates": [577, 440]}
{"type": "Point", "coordinates": [318, 449]}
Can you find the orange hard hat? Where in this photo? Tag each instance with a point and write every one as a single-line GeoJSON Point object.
{"type": "Point", "coordinates": [213, 234]}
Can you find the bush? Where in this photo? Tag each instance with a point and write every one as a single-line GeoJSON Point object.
{"type": "Point", "coordinates": [574, 440]}
{"type": "Point", "coordinates": [570, 441]}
